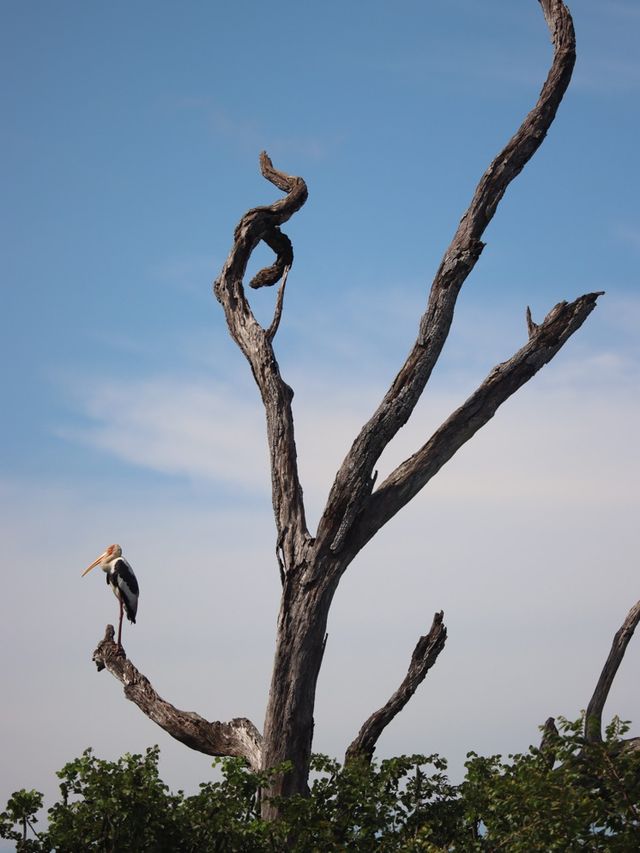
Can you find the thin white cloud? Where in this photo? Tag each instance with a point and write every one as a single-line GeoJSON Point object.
{"type": "Point", "coordinates": [201, 431]}
{"type": "Point", "coordinates": [253, 135]}
{"type": "Point", "coordinates": [209, 432]}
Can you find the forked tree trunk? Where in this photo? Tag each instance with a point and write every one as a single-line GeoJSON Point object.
{"type": "Point", "coordinates": [354, 512]}
{"type": "Point", "coordinates": [311, 566]}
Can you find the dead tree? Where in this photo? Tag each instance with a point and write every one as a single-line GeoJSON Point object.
{"type": "Point", "coordinates": [311, 565]}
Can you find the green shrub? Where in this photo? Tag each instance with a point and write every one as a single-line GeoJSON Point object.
{"type": "Point", "coordinates": [590, 801]}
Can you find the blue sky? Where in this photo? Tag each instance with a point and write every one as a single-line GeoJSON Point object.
{"type": "Point", "coordinates": [129, 151]}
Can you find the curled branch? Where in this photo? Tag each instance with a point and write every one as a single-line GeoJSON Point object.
{"type": "Point", "coordinates": [281, 245]}
{"type": "Point", "coordinates": [262, 223]}
{"type": "Point", "coordinates": [239, 737]}
{"type": "Point", "coordinates": [423, 658]}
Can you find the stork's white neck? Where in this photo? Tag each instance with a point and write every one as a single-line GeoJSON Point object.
{"type": "Point", "coordinates": [108, 564]}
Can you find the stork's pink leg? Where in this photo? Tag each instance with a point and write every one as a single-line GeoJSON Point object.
{"type": "Point", "coordinates": [120, 625]}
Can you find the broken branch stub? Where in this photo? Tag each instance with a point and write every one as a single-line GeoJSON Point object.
{"type": "Point", "coordinates": [423, 658]}
{"type": "Point", "coordinates": [622, 638]}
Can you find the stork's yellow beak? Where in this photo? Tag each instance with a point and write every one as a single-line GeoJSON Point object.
{"type": "Point", "coordinates": [95, 563]}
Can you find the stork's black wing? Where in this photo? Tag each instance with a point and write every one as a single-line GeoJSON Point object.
{"type": "Point", "coordinates": [127, 585]}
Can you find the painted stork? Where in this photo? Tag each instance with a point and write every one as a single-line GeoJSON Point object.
{"type": "Point", "coordinates": [122, 581]}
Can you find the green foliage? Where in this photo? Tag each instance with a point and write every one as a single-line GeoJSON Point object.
{"type": "Point", "coordinates": [383, 807]}
{"type": "Point", "coordinates": [590, 800]}
{"type": "Point", "coordinates": [21, 812]}
{"type": "Point", "coordinates": [113, 806]}
{"type": "Point", "coordinates": [225, 815]}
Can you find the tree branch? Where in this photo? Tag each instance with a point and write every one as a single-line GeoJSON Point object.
{"type": "Point", "coordinates": [593, 717]}
{"type": "Point", "coordinates": [277, 314]}
{"type": "Point", "coordinates": [352, 485]}
{"type": "Point", "coordinates": [423, 658]}
{"type": "Point", "coordinates": [532, 327]}
{"type": "Point", "coordinates": [503, 381]}
{"type": "Point", "coordinates": [262, 223]}
{"type": "Point", "coordinates": [239, 738]}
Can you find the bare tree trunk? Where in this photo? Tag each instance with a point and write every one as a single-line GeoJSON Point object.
{"type": "Point", "coordinates": [311, 567]}
{"type": "Point", "coordinates": [288, 728]}
{"type": "Point", "coordinates": [354, 512]}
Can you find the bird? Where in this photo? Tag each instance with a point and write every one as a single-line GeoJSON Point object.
{"type": "Point", "coordinates": [122, 581]}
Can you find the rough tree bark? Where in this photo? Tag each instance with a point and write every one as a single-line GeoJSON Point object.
{"type": "Point", "coordinates": [311, 566]}
{"type": "Point", "coordinates": [238, 738]}
{"type": "Point", "coordinates": [593, 716]}
{"type": "Point", "coordinates": [423, 658]}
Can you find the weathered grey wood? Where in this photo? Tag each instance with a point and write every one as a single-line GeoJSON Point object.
{"type": "Point", "coordinates": [532, 327]}
{"type": "Point", "coordinates": [300, 643]}
{"type": "Point", "coordinates": [423, 658]}
{"type": "Point", "coordinates": [311, 568]}
{"type": "Point", "coordinates": [504, 380]}
{"type": "Point", "coordinates": [239, 737]}
{"type": "Point", "coordinates": [593, 717]}
{"type": "Point", "coordinates": [277, 314]}
{"type": "Point", "coordinates": [353, 483]}
{"type": "Point", "coordinates": [262, 223]}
